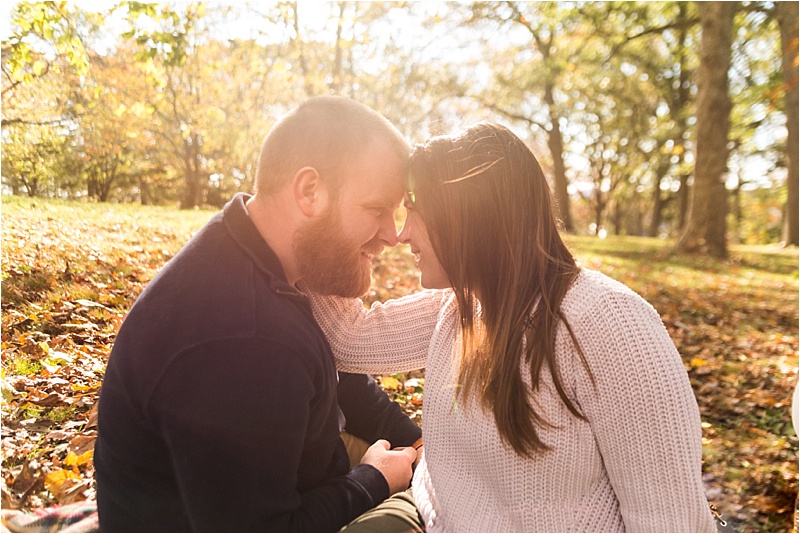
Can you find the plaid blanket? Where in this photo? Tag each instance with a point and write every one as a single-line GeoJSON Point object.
{"type": "Point", "coordinates": [76, 517]}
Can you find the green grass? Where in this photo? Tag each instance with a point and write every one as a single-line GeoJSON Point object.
{"type": "Point", "coordinates": [61, 413]}
{"type": "Point", "coordinates": [24, 366]}
{"type": "Point", "coordinates": [31, 411]}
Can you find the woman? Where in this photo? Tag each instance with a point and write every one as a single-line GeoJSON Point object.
{"type": "Point", "coordinates": [554, 397]}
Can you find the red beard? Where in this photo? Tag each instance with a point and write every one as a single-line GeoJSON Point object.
{"type": "Point", "coordinates": [328, 262]}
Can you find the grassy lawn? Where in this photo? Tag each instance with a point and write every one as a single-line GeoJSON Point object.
{"type": "Point", "coordinates": [70, 272]}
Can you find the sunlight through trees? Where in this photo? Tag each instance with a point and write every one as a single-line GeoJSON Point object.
{"type": "Point", "coordinates": [168, 102]}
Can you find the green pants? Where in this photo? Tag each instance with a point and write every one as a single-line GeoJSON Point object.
{"type": "Point", "coordinates": [398, 513]}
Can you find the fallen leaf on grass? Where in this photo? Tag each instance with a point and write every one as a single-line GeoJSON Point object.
{"type": "Point", "coordinates": [92, 422]}
{"type": "Point", "coordinates": [73, 460]}
{"type": "Point", "coordinates": [89, 303]}
{"type": "Point", "coordinates": [79, 445]}
{"type": "Point", "coordinates": [9, 392]}
{"type": "Point", "coordinates": [53, 399]}
{"type": "Point", "coordinates": [75, 493]}
{"type": "Point", "coordinates": [60, 481]}
{"type": "Point", "coordinates": [390, 382]}
{"type": "Point", "coordinates": [59, 434]}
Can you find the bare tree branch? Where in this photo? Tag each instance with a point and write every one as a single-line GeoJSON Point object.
{"type": "Point", "coordinates": [508, 113]}
{"type": "Point", "coordinates": [678, 24]}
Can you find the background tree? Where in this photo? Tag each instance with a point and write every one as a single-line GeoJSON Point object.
{"type": "Point", "coordinates": [787, 15]}
{"type": "Point", "coordinates": [530, 88]}
{"type": "Point", "coordinates": [175, 109]}
{"type": "Point", "coordinates": [614, 113]}
{"type": "Point", "coordinates": [757, 113]}
{"type": "Point", "coordinates": [657, 48]}
{"type": "Point", "coordinates": [46, 37]}
{"type": "Point", "coordinates": [111, 135]}
{"type": "Point", "coordinates": [182, 104]}
{"type": "Point", "coordinates": [33, 158]}
{"type": "Point", "coordinates": [38, 123]}
{"type": "Point", "coordinates": [705, 231]}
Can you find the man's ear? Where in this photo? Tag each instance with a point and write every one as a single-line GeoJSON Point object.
{"type": "Point", "coordinates": [310, 192]}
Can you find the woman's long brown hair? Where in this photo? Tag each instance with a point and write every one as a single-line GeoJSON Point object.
{"type": "Point", "coordinates": [489, 215]}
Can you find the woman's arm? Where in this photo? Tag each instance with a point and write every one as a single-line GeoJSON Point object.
{"type": "Point", "coordinates": [644, 416]}
{"type": "Point", "coordinates": [389, 337]}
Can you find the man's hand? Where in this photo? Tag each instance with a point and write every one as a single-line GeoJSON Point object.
{"type": "Point", "coordinates": [394, 465]}
{"type": "Point", "coordinates": [419, 455]}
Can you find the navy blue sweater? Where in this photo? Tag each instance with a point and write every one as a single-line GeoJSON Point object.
{"type": "Point", "coordinates": [220, 408]}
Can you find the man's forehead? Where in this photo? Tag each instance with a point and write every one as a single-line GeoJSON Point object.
{"type": "Point", "coordinates": [382, 192]}
{"type": "Point", "coordinates": [377, 174]}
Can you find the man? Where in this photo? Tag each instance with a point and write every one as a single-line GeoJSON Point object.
{"type": "Point", "coordinates": [219, 409]}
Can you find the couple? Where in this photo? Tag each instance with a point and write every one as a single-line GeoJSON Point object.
{"type": "Point", "coordinates": [554, 398]}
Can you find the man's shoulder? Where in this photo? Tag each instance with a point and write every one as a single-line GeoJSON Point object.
{"type": "Point", "coordinates": [212, 291]}
{"type": "Point", "coordinates": [244, 345]}
{"type": "Point", "coordinates": [184, 311]}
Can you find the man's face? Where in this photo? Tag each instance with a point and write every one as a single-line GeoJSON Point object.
{"type": "Point", "coordinates": [334, 251]}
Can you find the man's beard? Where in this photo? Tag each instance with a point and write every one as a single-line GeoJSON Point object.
{"type": "Point", "coordinates": [328, 262]}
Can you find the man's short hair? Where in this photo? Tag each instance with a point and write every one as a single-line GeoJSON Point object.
{"type": "Point", "coordinates": [325, 132]}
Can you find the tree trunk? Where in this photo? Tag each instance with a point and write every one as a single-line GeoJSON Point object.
{"type": "Point", "coordinates": [787, 14]}
{"type": "Point", "coordinates": [556, 144]}
{"type": "Point", "coordinates": [106, 185]}
{"type": "Point", "coordinates": [91, 185]}
{"type": "Point", "coordinates": [145, 194]}
{"type": "Point", "coordinates": [32, 185]}
{"type": "Point", "coordinates": [680, 101]}
{"type": "Point", "coordinates": [705, 230]}
{"type": "Point", "coordinates": [736, 196]}
{"type": "Point", "coordinates": [599, 208]}
{"type": "Point", "coordinates": [658, 198]}
{"type": "Point", "coordinates": [193, 195]}
{"type": "Point", "coordinates": [309, 87]}
{"type": "Point", "coordinates": [335, 83]}
{"type": "Point", "coordinates": [683, 202]}
{"type": "Point", "coordinates": [636, 226]}
{"type": "Point", "coordinates": [617, 218]}
{"type": "Point", "coordinates": [658, 207]}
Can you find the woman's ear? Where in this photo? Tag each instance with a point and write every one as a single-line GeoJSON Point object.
{"type": "Point", "coordinates": [310, 192]}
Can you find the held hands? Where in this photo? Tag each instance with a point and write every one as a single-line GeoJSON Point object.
{"type": "Point", "coordinates": [394, 464]}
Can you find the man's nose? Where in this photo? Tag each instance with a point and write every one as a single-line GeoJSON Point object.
{"type": "Point", "coordinates": [388, 233]}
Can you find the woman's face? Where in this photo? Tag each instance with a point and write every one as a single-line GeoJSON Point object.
{"type": "Point", "coordinates": [432, 275]}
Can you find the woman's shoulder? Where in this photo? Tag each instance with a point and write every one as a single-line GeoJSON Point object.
{"type": "Point", "coordinates": [593, 292]}
{"type": "Point", "coordinates": [619, 330]}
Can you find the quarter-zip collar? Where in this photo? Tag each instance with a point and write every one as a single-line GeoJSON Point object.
{"type": "Point", "coordinates": [247, 236]}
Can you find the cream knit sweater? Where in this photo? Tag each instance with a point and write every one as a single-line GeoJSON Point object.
{"type": "Point", "coordinates": [635, 465]}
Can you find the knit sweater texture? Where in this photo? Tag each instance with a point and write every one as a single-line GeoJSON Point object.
{"type": "Point", "coordinates": [633, 465]}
